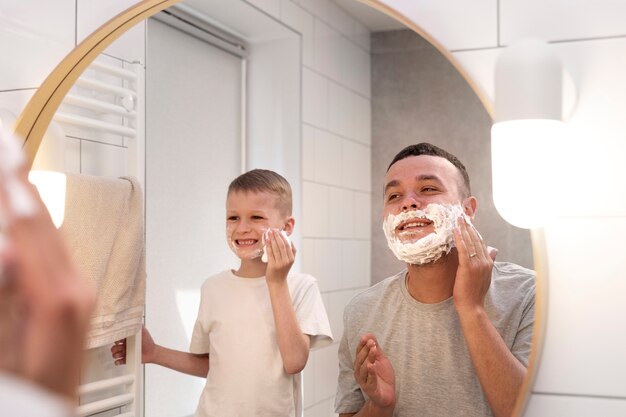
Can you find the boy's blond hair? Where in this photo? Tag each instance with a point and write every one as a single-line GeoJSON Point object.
{"type": "Point", "coordinates": [265, 181]}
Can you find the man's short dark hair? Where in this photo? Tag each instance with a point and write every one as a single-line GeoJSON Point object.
{"type": "Point", "coordinates": [429, 149]}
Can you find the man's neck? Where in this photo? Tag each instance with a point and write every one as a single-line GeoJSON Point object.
{"type": "Point", "coordinates": [433, 282]}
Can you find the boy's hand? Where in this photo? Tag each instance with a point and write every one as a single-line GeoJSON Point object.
{"type": "Point", "coordinates": [280, 256]}
{"type": "Point", "coordinates": [118, 350]}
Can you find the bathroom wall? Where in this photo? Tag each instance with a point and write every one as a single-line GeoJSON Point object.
{"type": "Point", "coordinates": [418, 96]}
{"type": "Point", "coordinates": [335, 223]}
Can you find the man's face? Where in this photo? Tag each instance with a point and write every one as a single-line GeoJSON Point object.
{"type": "Point", "coordinates": [248, 216]}
{"type": "Point", "coordinates": [415, 182]}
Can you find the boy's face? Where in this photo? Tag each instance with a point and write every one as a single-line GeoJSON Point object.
{"type": "Point", "coordinates": [248, 215]}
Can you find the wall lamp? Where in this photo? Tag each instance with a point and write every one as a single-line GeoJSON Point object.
{"type": "Point", "coordinates": [527, 134]}
{"type": "Point", "coordinates": [48, 166]}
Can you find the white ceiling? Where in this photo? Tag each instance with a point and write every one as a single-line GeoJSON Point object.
{"type": "Point", "coordinates": [374, 20]}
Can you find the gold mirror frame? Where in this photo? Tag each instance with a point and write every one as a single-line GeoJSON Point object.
{"type": "Point", "coordinates": [37, 115]}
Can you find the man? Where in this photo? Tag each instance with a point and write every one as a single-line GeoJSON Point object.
{"type": "Point", "coordinates": [450, 335]}
{"type": "Point", "coordinates": [45, 307]}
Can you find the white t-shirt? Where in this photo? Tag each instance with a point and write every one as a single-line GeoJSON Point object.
{"type": "Point", "coordinates": [235, 326]}
{"type": "Point", "coordinates": [20, 398]}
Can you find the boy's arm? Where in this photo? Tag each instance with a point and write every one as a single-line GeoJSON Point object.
{"type": "Point", "coordinates": [292, 343]}
{"type": "Point", "coordinates": [185, 362]}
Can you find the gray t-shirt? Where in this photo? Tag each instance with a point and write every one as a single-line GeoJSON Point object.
{"type": "Point", "coordinates": [425, 343]}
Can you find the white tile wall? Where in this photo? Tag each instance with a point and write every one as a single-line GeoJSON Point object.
{"type": "Point", "coordinates": [342, 213]}
{"type": "Point", "coordinates": [72, 155]}
{"type": "Point", "coordinates": [561, 19]}
{"type": "Point", "coordinates": [328, 148]}
{"type": "Point", "coordinates": [318, 8]}
{"type": "Point", "coordinates": [315, 98]}
{"type": "Point", "coordinates": [315, 210]}
{"type": "Point", "coordinates": [103, 160]}
{"type": "Point", "coordinates": [271, 7]}
{"type": "Point", "coordinates": [341, 20]}
{"type": "Point", "coordinates": [35, 32]}
{"type": "Point", "coordinates": [336, 163]}
{"type": "Point", "coordinates": [457, 24]}
{"type": "Point", "coordinates": [362, 119]}
{"type": "Point", "coordinates": [356, 164]}
{"type": "Point", "coordinates": [341, 110]}
{"type": "Point", "coordinates": [320, 258]}
{"type": "Point", "coordinates": [303, 22]}
{"type": "Point", "coordinates": [93, 13]}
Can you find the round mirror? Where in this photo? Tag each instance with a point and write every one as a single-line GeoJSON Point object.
{"type": "Point", "coordinates": [323, 92]}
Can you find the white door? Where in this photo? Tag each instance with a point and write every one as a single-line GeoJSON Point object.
{"type": "Point", "coordinates": [193, 151]}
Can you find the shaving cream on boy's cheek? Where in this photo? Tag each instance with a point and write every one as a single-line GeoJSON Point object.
{"type": "Point", "coordinates": [428, 248]}
{"type": "Point", "coordinates": [264, 250]}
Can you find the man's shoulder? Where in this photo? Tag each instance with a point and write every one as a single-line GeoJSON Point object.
{"type": "Point", "coordinates": [509, 277]}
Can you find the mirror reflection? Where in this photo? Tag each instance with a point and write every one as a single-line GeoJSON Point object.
{"type": "Point", "coordinates": [326, 96]}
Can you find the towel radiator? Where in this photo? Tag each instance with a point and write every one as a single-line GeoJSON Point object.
{"type": "Point", "coordinates": [106, 105]}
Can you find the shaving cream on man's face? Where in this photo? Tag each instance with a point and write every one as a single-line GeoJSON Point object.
{"type": "Point", "coordinates": [405, 233]}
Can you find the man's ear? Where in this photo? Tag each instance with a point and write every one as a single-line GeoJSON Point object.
{"type": "Point", "coordinates": [469, 206]}
{"type": "Point", "coordinates": [289, 224]}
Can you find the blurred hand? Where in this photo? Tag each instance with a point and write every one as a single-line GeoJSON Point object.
{"type": "Point", "coordinates": [46, 305]}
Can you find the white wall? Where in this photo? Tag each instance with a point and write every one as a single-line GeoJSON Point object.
{"type": "Point", "coordinates": [583, 368]}
{"type": "Point", "coordinates": [335, 171]}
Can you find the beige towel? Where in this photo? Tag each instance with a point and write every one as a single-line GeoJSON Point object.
{"type": "Point", "coordinates": [104, 229]}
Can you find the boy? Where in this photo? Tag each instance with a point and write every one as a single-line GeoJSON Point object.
{"type": "Point", "coordinates": [255, 325]}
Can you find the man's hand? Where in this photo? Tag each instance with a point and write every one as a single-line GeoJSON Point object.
{"type": "Point", "coordinates": [374, 373]}
{"type": "Point", "coordinates": [473, 275]}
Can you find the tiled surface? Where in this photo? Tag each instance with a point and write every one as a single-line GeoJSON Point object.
{"type": "Point", "coordinates": [356, 166]}
{"type": "Point", "coordinates": [315, 98]}
{"type": "Point", "coordinates": [341, 219]}
{"type": "Point", "coordinates": [93, 13]}
{"type": "Point", "coordinates": [340, 110]}
{"type": "Point", "coordinates": [103, 160]}
{"type": "Point", "coordinates": [271, 7]}
{"type": "Point", "coordinates": [320, 258]}
{"type": "Point", "coordinates": [561, 19]}
{"type": "Point", "coordinates": [302, 21]}
{"type": "Point", "coordinates": [37, 33]}
{"type": "Point", "coordinates": [315, 210]}
{"type": "Point", "coordinates": [457, 24]}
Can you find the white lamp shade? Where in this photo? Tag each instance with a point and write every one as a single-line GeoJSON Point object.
{"type": "Point", "coordinates": [528, 133]}
{"type": "Point", "coordinates": [526, 170]}
{"type": "Point", "coordinates": [52, 189]}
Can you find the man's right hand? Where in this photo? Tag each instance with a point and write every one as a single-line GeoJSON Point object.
{"type": "Point", "coordinates": [374, 373]}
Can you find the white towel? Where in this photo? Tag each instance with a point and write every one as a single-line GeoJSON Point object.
{"type": "Point", "coordinates": [104, 229]}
